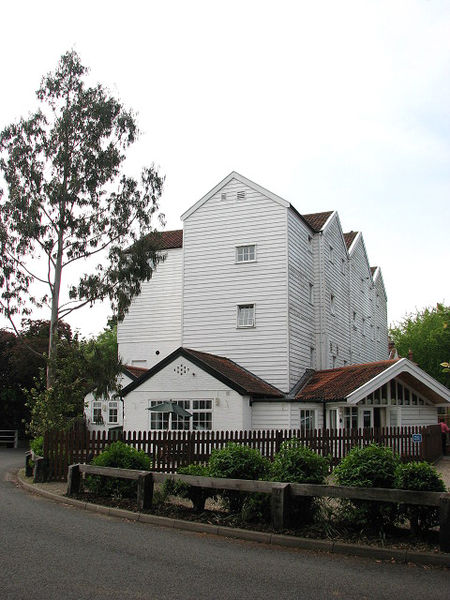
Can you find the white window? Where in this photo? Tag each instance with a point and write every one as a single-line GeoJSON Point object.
{"type": "Point", "coordinates": [241, 195]}
{"type": "Point", "coordinates": [223, 196]}
{"type": "Point", "coordinates": [246, 315]}
{"type": "Point", "coordinates": [246, 253]}
{"type": "Point", "coordinates": [113, 413]}
{"type": "Point", "coordinates": [311, 293]}
{"type": "Point", "coordinates": [202, 411]}
{"type": "Point", "coordinates": [97, 416]}
{"type": "Point", "coordinates": [307, 420]}
{"type": "Point", "coordinates": [351, 418]}
{"type": "Point", "coordinates": [332, 304]}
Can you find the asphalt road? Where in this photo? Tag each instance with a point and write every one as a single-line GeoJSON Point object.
{"type": "Point", "coordinates": [50, 550]}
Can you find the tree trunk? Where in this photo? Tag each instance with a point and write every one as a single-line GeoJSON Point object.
{"type": "Point", "coordinates": [53, 334]}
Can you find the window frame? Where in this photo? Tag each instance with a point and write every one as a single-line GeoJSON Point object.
{"type": "Point", "coordinates": [243, 306]}
{"type": "Point", "coordinates": [244, 247]}
{"type": "Point", "coordinates": [111, 406]}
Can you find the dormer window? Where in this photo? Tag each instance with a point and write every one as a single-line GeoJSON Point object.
{"type": "Point", "coordinates": [241, 195]}
{"type": "Point", "coordinates": [246, 253]}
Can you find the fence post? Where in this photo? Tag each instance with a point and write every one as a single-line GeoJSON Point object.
{"type": "Point", "coordinates": [28, 467]}
{"type": "Point", "coordinates": [73, 480]}
{"type": "Point", "coordinates": [444, 523]}
{"type": "Point", "coordinates": [278, 505]}
{"type": "Point", "coordinates": [40, 470]}
{"type": "Point", "coordinates": [144, 491]}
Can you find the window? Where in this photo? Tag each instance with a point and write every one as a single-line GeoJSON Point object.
{"type": "Point", "coordinates": [310, 243]}
{"type": "Point", "coordinates": [246, 315]}
{"type": "Point", "coordinates": [97, 416]}
{"type": "Point", "coordinates": [333, 362]}
{"type": "Point", "coordinates": [332, 304]}
{"type": "Point", "coordinates": [307, 420]}
{"type": "Point", "coordinates": [113, 411]}
{"type": "Point", "coordinates": [241, 195]}
{"type": "Point", "coordinates": [351, 418]}
{"type": "Point", "coordinates": [362, 284]}
{"type": "Point", "coordinates": [202, 411]}
{"type": "Point", "coordinates": [367, 418]}
{"type": "Point", "coordinates": [223, 196]}
{"type": "Point", "coordinates": [311, 293]}
{"type": "Point", "coordinates": [245, 253]}
{"type": "Point", "coordinates": [331, 254]}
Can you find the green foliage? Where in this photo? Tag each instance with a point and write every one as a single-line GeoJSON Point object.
{"type": "Point", "coordinates": [121, 456]}
{"type": "Point", "coordinates": [427, 335]}
{"type": "Point", "coordinates": [421, 477]}
{"type": "Point", "coordinates": [68, 199]}
{"type": "Point", "coordinates": [372, 467]}
{"type": "Point", "coordinates": [295, 463]}
{"type": "Point", "coordinates": [80, 366]}
{"type": "Point", "coordinates": [37, 446]}
{"type": "Point", "coordinates": [198, 496]}
{"type": "Point", "coordinates": [236, 461]}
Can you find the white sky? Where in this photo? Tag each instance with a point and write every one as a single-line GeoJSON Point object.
{"type": "Point", "coordinates": [331, 105]}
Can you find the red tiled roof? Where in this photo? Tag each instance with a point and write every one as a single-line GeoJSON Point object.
{"type": "Point", "coordinates": [373, 269]}
{"type": "Point", "coordinates": [317, 220]}
{"type": "Point", "coordinates": [337, 384]}
{"type": "Point", "coordinates": [165, 240]}
{"type": "Point", "coordinates": [349, 237]}
{"type": "Point", "coordinates": [136, 371]}
{"type": "Point", "coordinates": [252, 384]}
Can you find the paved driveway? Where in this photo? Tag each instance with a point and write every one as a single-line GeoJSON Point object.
{"type": "Point", "coordinates": [52, 551]}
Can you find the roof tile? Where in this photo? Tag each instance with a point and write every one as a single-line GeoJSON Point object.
{"type": "Point", "coordinates": [317, 220]}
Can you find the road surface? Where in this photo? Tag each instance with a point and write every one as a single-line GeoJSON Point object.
{"type": "Point", "coordinates": [54, 551]}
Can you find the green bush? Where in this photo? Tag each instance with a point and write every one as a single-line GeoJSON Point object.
{"type": "Point", "coordinates": [37, 445]}
{"type": "Point", "coordinates": [421, 477]}
{"type": "Point", "coordinates": [236, 461]}
{"type": "Point", "coordinates": [295, 463]}
{"type": "Point", "coordinates": [122, 456]}
{"type": "Point", "coordinates": [196, 495]}
{"type": "Point", "coordinates": [373, 466]}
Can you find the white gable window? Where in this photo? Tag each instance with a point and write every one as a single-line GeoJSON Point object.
{"type": "Point", "coordinates": [246, 253]}
{"type": "Point", "coordinates": [113, 408]}
{"type": "Point", "coordinates": [223, 196]}
{"type": "Point", "coordinates": [246, 315]}
{"type": "Point", "coordinates": [241, 195]}
{"type": "Point", "coordinates": [97, 416]}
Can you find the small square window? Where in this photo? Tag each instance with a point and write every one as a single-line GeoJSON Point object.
{"type": "Point", "coordinates": [246, 315]}
{"type": "Point", "coordinates": [241, 195]}
{"type": "Point", "coordinates": [245, 253]}
{"type": "Point", "coordinates": [223, 196]}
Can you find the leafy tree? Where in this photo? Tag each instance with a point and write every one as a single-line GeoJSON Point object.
{"type": "Point", "coordinates": [68, 200]}
{"type": "Point", "coordinates": [427, 335]}
{"type": "Point", "coordinates": [81, 366]}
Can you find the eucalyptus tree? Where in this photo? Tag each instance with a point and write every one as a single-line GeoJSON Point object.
{"type": "Point", "coordinates": [68, 200]}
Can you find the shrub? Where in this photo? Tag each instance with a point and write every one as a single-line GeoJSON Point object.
{"type": "Point", "coordinates": [420, 477]}
{"type": "Point", "coordinates": [122, 456]}
{"type": "Point", "coordinates": [295, 463]}
{"type": "Point", "coordinates": [373, 466]}
{"type": "Point", "coordinates": [196, 495]}
{"type": "Point", "coordinates": [237, 462]}
{"type": "Point", "coordinates": [37, 446]}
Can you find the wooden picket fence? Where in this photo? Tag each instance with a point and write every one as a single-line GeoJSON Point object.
{"type": "Point", "coordinates": [169, 450]}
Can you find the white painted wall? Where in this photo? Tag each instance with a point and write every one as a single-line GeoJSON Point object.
{"type": "Point", "coordinates": [214, 284]}
{"type": "Point", "coordinates": [230, 409]}
{"type": "Point", "coordinates": [152, 328]}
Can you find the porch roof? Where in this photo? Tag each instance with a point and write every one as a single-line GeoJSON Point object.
{"type": "Point", "coordinates": [338, 384]}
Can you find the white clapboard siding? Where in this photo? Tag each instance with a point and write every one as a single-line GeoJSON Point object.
{"type": "Point", "coordinates": [152, 328]}
{"type": "Point", "coordinates": [230, 410]}
{"type": "Point", "coordinates": [301, 310]}
{"type": "Point", "coordinates": [214, 284]}
{"type": "Point", "coordinates": [271, 415]}
{"type": "Point", "coordinates": [381, 331]}
{"type": "Point", "coordinates": [336, 328]}
{"type": "Point", "coordinates": [418, 415]}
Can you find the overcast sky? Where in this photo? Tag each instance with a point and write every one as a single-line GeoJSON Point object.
{"type": "Point", "coordinates": [331, 105]}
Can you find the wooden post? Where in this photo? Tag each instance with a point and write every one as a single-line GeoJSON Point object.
{"type": "Point", "coordinates": [279, 502]}
{"type": "Point", "coordinates": [40, 470]}
{"type": "Point", "coordinates": [144, 491]}
{"type": "Point", "coordinates": [28, 467]}
{"type": "Point", "coordinates": [444, 523]}
{"type": "Point", "coordinates": [73, 480]}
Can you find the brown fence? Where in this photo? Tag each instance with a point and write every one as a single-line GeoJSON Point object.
{"type": "Point", "coordinates": [169, 450]}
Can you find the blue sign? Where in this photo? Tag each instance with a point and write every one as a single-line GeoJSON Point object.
{"type": "Point", "coordinates": [417, 438]}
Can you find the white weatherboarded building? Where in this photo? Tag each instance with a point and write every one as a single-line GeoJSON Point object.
{"type": "Point", "coordinates": [253, 308]}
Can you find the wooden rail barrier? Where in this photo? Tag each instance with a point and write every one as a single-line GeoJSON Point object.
{"type": "Point", "coordinates": [9, 436]}
{"type": "Point", "coordinates": [280, 492]}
